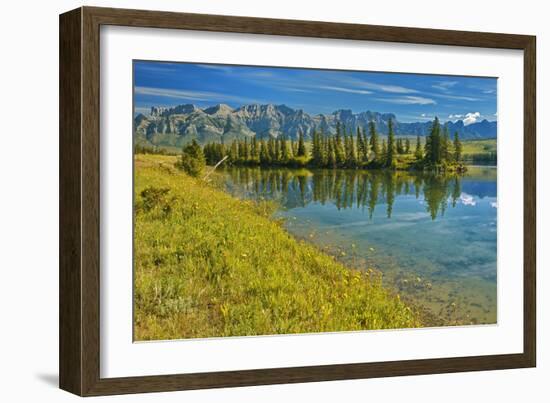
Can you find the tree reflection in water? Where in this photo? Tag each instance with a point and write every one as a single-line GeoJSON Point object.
{"type": "Point", "coordinates": [348, 188]}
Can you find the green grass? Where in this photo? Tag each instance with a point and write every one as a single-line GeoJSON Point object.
{"type": "Point", "coordinates": [471, 149]}
{"type": "Point", "coordinates": [210, 265]}
{"type": "Point", "coordinates": [479, 149]}
{"type": "Point", "coordinates": [479, 146]}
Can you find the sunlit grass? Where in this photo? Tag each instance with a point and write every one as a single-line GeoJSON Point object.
{"type": "Point", "coordinates": [210, 265]}
{"type": "Point", "coordinates": [480, 149]}
{"type": "Point", "coordinates": [479, 146]}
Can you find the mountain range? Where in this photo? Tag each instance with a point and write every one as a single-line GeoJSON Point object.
{"type": "Point", "coordinates": [177, 125]}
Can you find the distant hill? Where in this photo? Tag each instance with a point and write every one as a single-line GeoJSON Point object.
{"type": "Point", "coordinates": [178, 125]}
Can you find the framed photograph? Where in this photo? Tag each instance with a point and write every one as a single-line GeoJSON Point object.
{"type": "Point", "coordinates": [249, 201]}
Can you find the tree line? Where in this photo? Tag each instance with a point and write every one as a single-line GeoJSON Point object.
{"type": "Point", "coordinates": [363, 149]}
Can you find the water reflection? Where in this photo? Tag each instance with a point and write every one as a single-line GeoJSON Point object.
{"type": "Point", "coordinates": [348, 189]}
{"type": "Point", "coordinates": [432, 236]}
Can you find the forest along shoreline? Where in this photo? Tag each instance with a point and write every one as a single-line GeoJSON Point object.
{"type": "Point", "coordinates": [344, 149]}
{"type": "Point", "coordinates": [210, 265]}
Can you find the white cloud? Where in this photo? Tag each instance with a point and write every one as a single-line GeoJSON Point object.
{"type": "Point", "coordinates": [193, 95]}
{"type": "Point", "coordinates": [423, 116]}
{"type": "Point", "coordinates": [295, 90]}
{"type": "Point", "coordinates": [219, 67]}
{"type": "Point", "coordinates": [467, 200]}
{"type": "Point", "coordinates": [329, 82]}
{"type": "Point", "coordinates": [444, 85]}
{"type": "Point", "coordinates": [395, 89]}
{"type": "Point", "coordinates": [317, 80]}
{"type": "Point", "coordinates": [471, 118]}
{"type": "Point", "coordinates": [347, 82]}
{"type": "Point", "coordinates": [171, 93]}
{"type": "Point", "coordinates": [456, 117]}
{"type": "Point", "coordinates": [343, 89]}
{"type": "Point", "coordinates": [468, 118]}
{"type": "Point", "coordinates": [157, 68]}
{"type": "Point", "coordinates": [456, 97]}
{"type": "Point", "coordinates": [409, 100]}
{"type": "Point", "coordinates": [261, 74]}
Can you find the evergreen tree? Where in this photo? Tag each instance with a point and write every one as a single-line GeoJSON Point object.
{"type": "Point", "coordinates": [254, 150]}
{"type": "Point", "coordinates": [351, 155]}
{"type": "Point", "coordinates": [291, 152]}
{"type": "Point", "coordinates": [407, 146]}
{"type": "Point", "coordinates": [338, 147]}
{"type": "Point", "coordinates": [264, 153]}
{"type": "Point", "coordinates": [246, 154]}
{"type": "Point", "coordinates": [301, 152]}
{"type": "Point", "coordinates": [324, 149]}
{"type": "Point", "coordinates": [433, 144]}
{"type": "Point", "coordinates": [208, 152]}
{"type": "Point", "coordinates": [437, 148]}
{"type": "Point", "coordinates": [383, 152]}
{"type": "Point", "coordinates": [213, 153]}
{"type": "Point", "coordinates": [294, 147]}
{"type": "Point", "coordinates": [192, 160]}
{"type": "Point", "coordinates": [331, 153]}
{"type": "Point", "coordinates": [285, 151]}
{"type": "Point", "coordinates": [374, 141]}
{"type": "Point", "coordinates": [316, 152]}
{"type": "Point", "coordinates": [418, 154]}
{"type": "Point", "coordinates": [362, 146]}
{"type": "Point", "coordinates": [445, 145]}
{"type": "Point", "coordinates": [271, 152]}
{"type": "Point", "coordinates": [346, 146]}
{"type": "Point", "coordinates": [353, 149]}
{"type": "Point", "coordinates": [240, 150]}
{"type": "Point", "coordinates": [234, 152]}
{"type": "Point", "coordinates": [390, 152]}
{"type": "Point", "coordinates": [222, 151]}
{"type": "Point", "coordinates": [277, 152]}
{"type": "Point", "coordinates": [457, 154]}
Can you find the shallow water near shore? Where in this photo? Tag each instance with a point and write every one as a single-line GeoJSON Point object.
{"type": "Point", "coordinates": [434, 237]}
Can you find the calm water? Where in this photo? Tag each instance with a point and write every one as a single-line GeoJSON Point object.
{"type": "Point", "coordinates": [432, 237]}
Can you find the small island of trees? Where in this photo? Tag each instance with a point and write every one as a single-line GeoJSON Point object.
{"type": "Point", "coordinates": [344, 149]}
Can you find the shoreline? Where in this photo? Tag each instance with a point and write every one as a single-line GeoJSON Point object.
{"type": "Point", "coordinates": [466, 310]}
{"type": "Point", "coordinates": [279, 286]}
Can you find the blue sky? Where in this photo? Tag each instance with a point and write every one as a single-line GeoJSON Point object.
{"type": "Point", "coordinates": [412, 97]}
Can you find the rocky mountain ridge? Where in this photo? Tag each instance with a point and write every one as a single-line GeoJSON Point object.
{"type": "Point", "coordinates": [178, 125]}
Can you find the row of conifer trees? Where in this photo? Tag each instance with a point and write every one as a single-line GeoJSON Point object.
{"type": "Point", "coordinates": [344, 149]}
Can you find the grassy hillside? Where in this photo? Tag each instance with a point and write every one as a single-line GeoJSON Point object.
{"type": "Point", "coordinates": [209, 265]}
{"type": "Point", "coordinates": [480, 150]}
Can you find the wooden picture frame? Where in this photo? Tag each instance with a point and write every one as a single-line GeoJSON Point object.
{"type": "Point", "coordinates": [79, 346]}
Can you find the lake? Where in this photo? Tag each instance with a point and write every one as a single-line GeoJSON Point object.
{"type": "Point", "coordinates": [433, 237]}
